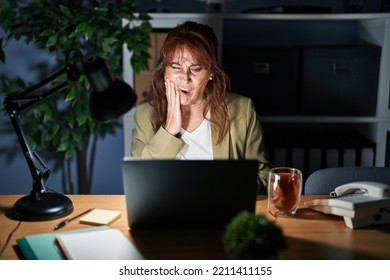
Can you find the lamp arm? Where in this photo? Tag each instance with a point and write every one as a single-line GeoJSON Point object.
{"type": "Point", "coordinates": [72, 74]}
{"type": "Point", "coordinates": [39, 170]}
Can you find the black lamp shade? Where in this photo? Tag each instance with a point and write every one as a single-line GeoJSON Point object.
{"type": "Point", "coordinates": [111, 103]}
{"type": "Point", "coordinates": [110, 98]}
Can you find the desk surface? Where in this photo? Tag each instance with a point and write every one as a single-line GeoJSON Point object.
{"type": "Point", "coordinates": [310, 234]}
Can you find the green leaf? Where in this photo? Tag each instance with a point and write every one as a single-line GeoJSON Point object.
{"type": "Point", "coordinates": [106, 47]}
{"type": "Point", "coordinates": [107, 43]}
{"type": "Point", "coordinates": [81, 119]}
{"type": "Point", "coordinates": [65, 11]}
{"type": "Point", "coordinates": [144, 17]}
{"type": "Point", "coordinates": [61, 78]}
{"type": "Point", "coordinates": [32, 143]}
{"type": "Point", "coordinates": [84, 28]}
{"type": "Point", "coordinates": [47, 32]}
{"type": "Point", "coordinates": [71, 95]}
{"type": "Point", "coordinates": [69, 153]}
{"type": "Point", "coordinates": [70, 121]}
{"type": "Point", "coordinates": [63, 147]}
{"type": "Point", "coordinates": [47, 116]}
{"type": "Point", "coordinates": [89, 33]}
{"type": "Point", "coordinates": [37, 113]}
{"type": "Point", "coordinates": [51, 41]}
{"type": "Point", "coordinates": [146, 28]}
{"type": "Point", "coordinates": [130, 43]}
{"type": "Point", "coordinates": [81, 27]}
{"type": "Point", "coordinates": [77, 137]}
{"type": "Point", "coordinates": [64, 136]}
{"type": "Point", "coordinates": [54, 130]}
{"type": "Point", "coordinates": [110, 40]}
{"type": "Point", "coordinates": [84, 82]}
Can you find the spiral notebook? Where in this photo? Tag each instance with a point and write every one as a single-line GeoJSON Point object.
{"type": "Point", "coordinates": [188, 193]}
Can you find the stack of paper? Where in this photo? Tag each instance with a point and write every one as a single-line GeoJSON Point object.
{"type": "Point", "coordinates": [108, 244]}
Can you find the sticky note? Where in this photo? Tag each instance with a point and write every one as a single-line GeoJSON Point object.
{"type": "Point", "coordinates": [100, 217]}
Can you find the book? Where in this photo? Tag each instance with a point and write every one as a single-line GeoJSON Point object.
{"type": "Point", "coordinates": [108, 244]}
{"type": "Point", "coordinates": [44, 246]}
{"type": "Point", "coordinates": [100, 217]}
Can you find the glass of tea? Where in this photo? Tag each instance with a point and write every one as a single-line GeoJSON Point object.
{"type": "Point", "coordinates": [284, 191]}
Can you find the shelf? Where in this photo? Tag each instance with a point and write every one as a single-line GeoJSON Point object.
{"type": "Point", "coordinates": [296, 17]}
{"type": "Point", "coordinates": [340, 16]}
{"type": "Point", "coordinates": [321, 119]}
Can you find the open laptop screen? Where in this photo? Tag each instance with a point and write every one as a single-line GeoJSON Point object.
{"type": "Point", "coordinates": [188, 193]}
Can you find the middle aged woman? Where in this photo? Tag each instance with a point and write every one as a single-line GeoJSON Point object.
{"type": "Point", "coordinates": [189, 112]}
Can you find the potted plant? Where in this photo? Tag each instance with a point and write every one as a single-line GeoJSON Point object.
{"type": "Point", "coordinates": [253, 237]}
{"type": "Point", "coordinates": [70, 31]}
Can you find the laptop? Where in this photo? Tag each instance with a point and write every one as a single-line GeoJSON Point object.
{"type": "Point", "coordinates": [187, 194]}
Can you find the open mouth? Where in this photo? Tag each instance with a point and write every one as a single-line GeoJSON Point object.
{"type": "Point", "coordinates": [183, 90]}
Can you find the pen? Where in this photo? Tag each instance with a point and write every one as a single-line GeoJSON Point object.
{"type": "Point", "coordinates": [64, 222]}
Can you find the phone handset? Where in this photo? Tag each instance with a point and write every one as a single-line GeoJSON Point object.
{"type": "Point", "coordinates": [374, 189]}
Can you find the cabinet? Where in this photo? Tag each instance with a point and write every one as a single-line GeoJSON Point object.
{"type": "Point", "coordinates": [285, 36]}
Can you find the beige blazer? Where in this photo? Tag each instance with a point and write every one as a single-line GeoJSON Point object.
{"type": "Point", "coordinates": [243, 141]}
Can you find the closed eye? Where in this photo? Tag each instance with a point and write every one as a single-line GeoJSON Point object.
{"type": "Point", "coordinates": [196, 69]}
{"type": "Point", "coordinates": [176, 66]}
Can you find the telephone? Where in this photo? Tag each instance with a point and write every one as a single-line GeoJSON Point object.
{"type": "Point", "coordinates": [361, 203]}
{"type": "Point", "coordinates": [374, 189]}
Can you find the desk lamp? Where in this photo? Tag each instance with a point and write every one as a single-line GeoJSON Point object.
{"type": "Point", "coordinates": [110, 98]}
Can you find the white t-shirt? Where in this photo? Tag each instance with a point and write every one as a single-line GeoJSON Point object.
{"type": "Point", "coordinates": [198, 143]}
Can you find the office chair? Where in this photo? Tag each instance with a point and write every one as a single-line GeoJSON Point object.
{"type": "Point", "coordinates": [323, 181]}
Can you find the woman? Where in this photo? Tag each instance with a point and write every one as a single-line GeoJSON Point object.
{"type": "Point", "coordinates": [188, 111]}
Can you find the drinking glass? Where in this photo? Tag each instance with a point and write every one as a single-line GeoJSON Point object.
{"type": "Point", "coordinates": [284, 191]}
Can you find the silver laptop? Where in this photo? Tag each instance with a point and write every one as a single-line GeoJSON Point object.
{"type": "Point", "coordinates": [174, 194]}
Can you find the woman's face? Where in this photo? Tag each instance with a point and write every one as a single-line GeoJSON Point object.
{"type": "Point", "coordinates": [190, 78]}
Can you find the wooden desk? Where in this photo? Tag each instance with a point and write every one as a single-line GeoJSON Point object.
{"type": "Point", "coordinates": [310, 235]}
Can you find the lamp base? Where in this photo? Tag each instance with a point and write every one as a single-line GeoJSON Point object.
{"type": "Point", "coordinates": [50, 206]}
